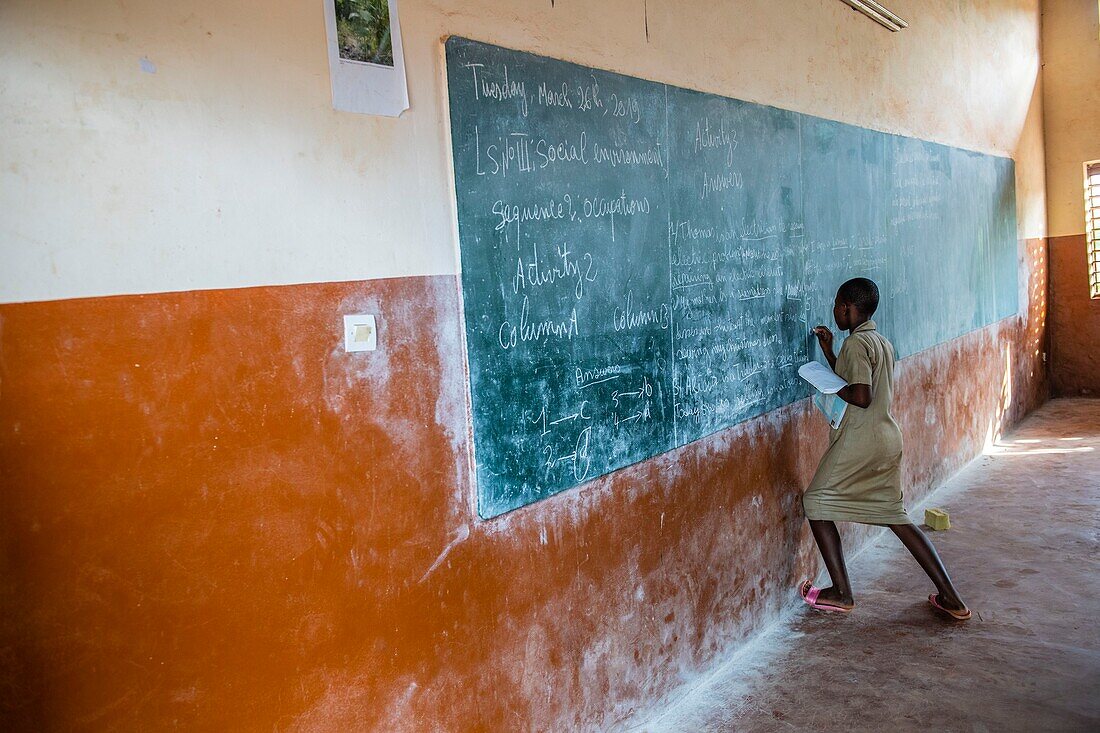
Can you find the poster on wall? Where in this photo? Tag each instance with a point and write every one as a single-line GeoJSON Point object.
{"type": "Point", "coordinates": [366, 63]}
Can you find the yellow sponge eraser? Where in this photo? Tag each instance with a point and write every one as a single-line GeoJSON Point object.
{"type": "Point", "coordinates": [937, 519]}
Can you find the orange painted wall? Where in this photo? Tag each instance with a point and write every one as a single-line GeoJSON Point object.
{"type": "Point", "coordinates": [1074, 321]}
{"type": "Point", "coordinates": [215, 519]}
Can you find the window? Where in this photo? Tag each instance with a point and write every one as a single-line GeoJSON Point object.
{"type": "Point", "coordinates": [1092, 225]}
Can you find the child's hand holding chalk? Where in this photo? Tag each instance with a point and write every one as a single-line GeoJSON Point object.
{"type": "Point", "coordinates": [824, 337]}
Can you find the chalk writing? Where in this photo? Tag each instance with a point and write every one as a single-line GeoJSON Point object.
{"type": "Point", "coordinates": [641, 264]}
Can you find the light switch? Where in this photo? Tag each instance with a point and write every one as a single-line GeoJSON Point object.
{"type": "Point", "coordinates": [360, 333]}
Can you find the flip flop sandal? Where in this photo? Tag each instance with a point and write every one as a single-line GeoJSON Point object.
{"type": "Point", "coordinates": [957, 615]}
{"type": "Point", "coordinates": [810, 594]}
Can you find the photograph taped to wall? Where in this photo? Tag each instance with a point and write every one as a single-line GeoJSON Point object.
{"type": "Point", "coordinates": [366, 63]}
{"type": "Point", "coordinates": [363, 31]}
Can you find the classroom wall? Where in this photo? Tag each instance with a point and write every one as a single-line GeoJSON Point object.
{"type": "Point", "coordinates": [214, 518]}
{"type": "Point", "coordinates": [1074, 321]}
{"type": "Point", "coordinates": [1071, 94]}
{"type": "Point", "coordinates": [228, 167]}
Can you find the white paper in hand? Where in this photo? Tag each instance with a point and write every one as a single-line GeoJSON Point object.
{"type": "Point", "coordinates": [823, 379]}
{"type": "Point", "coordinates": [827, 383]}
{"type": "Point", "coordinates": [832, 407]}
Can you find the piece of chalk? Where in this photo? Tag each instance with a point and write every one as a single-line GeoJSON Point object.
{"type": "Point", "coordinates": [937, 519]}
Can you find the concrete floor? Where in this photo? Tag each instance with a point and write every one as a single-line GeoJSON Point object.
{"type": "Point", "coordinates": [1024, 550]}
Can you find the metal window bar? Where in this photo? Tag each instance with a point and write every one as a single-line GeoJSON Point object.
{"type": "Point", "coordinates": [1092, 226]}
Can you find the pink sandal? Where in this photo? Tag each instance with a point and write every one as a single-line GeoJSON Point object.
{"type": "Point", "coordinates": [810, 592]}
{"type": "Point", "coordinates": [957, 615]}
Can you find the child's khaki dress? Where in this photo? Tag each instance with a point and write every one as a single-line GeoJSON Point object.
{"type": "Point", "coordinates": [859, 477]}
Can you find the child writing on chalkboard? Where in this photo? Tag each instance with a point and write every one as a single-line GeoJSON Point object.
{"type": "Point", "coordinates": [859, 477]}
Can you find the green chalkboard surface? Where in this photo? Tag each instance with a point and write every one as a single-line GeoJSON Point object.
{"type": "Point", "coordinates": [641, 263]}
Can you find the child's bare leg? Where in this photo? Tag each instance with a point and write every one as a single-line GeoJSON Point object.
{"type": "Point", "coordinates": [925, 553]}
{"type": "Point", "coordinates": [828, 543]}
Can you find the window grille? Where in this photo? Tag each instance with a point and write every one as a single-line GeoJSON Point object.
{"type": "Point", "coordinates": [1092, 225]}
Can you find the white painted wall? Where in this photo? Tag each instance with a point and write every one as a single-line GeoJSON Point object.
{"type": "Point", "coordinates": [228, 166]}
{"type": "Point", "coordinates": [1071, 64]}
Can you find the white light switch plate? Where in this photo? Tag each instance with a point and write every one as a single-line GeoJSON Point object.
{"type": "Point", "coordinates": [360, 333]}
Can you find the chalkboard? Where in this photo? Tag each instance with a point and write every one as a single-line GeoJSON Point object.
{"type": "Point", "coordinates": [642, 263]}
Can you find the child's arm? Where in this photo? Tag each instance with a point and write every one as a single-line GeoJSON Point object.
{"type": "Point", "coordinates": [854, 394]}
{"type": "Point", "coordinates": [825, 340]}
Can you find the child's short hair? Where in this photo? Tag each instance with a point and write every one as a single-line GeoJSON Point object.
{"type": "Point", "coordinates": [862, 293]}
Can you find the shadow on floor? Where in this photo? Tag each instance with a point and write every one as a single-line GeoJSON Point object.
{"type": "Point", "coordinates": [1024, 549]}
